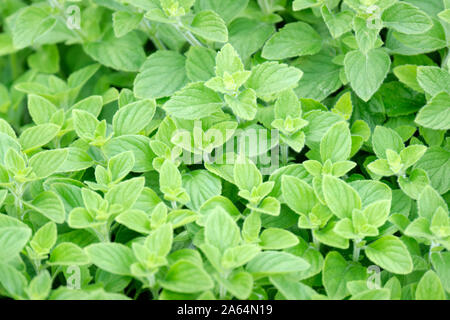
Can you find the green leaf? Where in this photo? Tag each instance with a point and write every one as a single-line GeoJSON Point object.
{"type": "Point", "coordinates": [139, 145]}
{"type": "Point", "coordinates": [244, 106]}
{"type": "Point", "coordinates": [186, 277]}
{"type": "Point", "coordinates": [433, 80]}
{"type": "Point", "coordinates": [44, 239]}
{"type": "Point", "coordinates": [200, 63]}
{"type": "Point", "coordinates": [298, 195]}
{"type": "Point", "coordinates": [292, 290]}
{"type": "Point", "coordinates": [436, 114]}
{"type": "Point", "coordinates": [238, 256]}
{"type": "Point", "coordinates": [248, 35]}
{"type": "Point", "coordinates": [337, 272]}
{"type": "Point", "coordinates": [246, 175]}
{"type": "Point", "coordinates": [221, 231]}
{"type": "Point", "coordinates": [340, 197]}
{"type": "Point", "coordinates": [428, 202]}
{"type": "Point", "coordinates": [112, 257]}
{"type": "Point", "coordinates": [366, 72]}
{"type": "Point", "coordinates": [271, 77]}
{"type": "Point", "coordinates": [276, 239]}
{"type": "Point", "coordinates": [40, 109]}
{"type": "Point", "coordinates": [162, 74]}
{"type": "Point", "coordinates": [406, 18]}
{"type": "Point", "coordinates": [85, 124]}
{"type": "Point", "coordinates": [321, 76]}
{"type": "Point", "coordinates": [124, 22]}
{"type": "Point", "coordinates": [384, 138]}
{"type": "Point", "coordinates": [227, 10]}
{"type": "Point", "coordinates": [275, 262]}
{"type": "Point", "coordinates": [46, 163]}
{"type": "Point", "coordinates": [294, 39]}
{"type": "Point", "coordinates": [407, 74]}
{"type": "Point", "coordinates": [298, 5]}
{"type": "Point", "coordinates": [125, 193]}
{"type": "Point", "coordinates": [124, 53]}
{"type": "Point", "coordinates": [441, 263]}
{"type": "Point", "coordinates": [210, 26]}
{"type": "Point", "coordinates": [32, 23]}
{"type": "Point", "coordinates": [430, 287]}
{"type": "Point", "coordinates": [201, 186]}
{"type": "Point", "coordinates": [338, 23]}
{"type": "Point", "coordinates": [135, 220]}
{"type": "Point", "coordinates": [239, 284]}
{"type": "Point", "coordinates": [336, 144]}
{"type": "Point", "coordinates": [134, 117]}
{"type": "Point", "coordinates": [68, 254]}
{"type": "Point", "coordinates": [195, 101]}
{"type": "Point", "coordinates": [436, 163]}
{"type": "Point", "coordinates": [13, 281]}
{"type": "Point", "coordinates": [390, 253]}
{"type": "Point", "coordinates": [40, 286]}
{"type": "Point", "coordinates": [38, 136]}
{"type": "Point", "coordinates": [12, 240]}
{"type": "Point", "coordinates": [49, 205]}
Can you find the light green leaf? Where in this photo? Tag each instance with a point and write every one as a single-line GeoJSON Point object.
{"type": "Point", "coordinates": [294, 39]}
{"type": "Point", "coordinates": [436, 114]}
{"type": "Point", "coordinates": [271, 77]}
{"type": "Point", "coordinates": [12, 240]}
{"type": "Point", "coordinates": [162, 74]}
{"type": "Point", "coordinates": [366, 72]}
{"type": "Point", "coordinates": [124, 54]}
{"type": "Point", "coordinates": [45, 163]}
{"type": "Point", "coordinates": [337, 272]}
{"type": "Point", "coordinates": [298, 195]}
{"type": "Point", "coordinates": [390, 253]}
{"type": "Point", "coordinates": [112, 257]}
{"type": "Point", "coordinates": [68, 254]}
{"type": "Point", "coordinates": [35, 137]}
{"type": "Point", "coordinates": [221, 231]}
{"type": "Point", "coordinates": [276, 239]}
{"type": "Point", "coordinates": [406, 18]}
{"type": "Point", "coordinates": [134, 117]}
{"type": "Point", "coordinates": [186, 277]}
{"type": "Point", "coordinates": [49, 205]}
{"type": "Point", "coordinates": [336, 144]}
{"type": "Point", "coordinates": [210, 26]}
{"type": "Point", "coordinates": [32, 23]}
{"type": "Point", "coordinates": [384, 138]}
{"type": "Point", "coordinates": [430, 287]}
{"type": "Point", "coordinates": [275, 262]}
{"type": "Point", "coordinates": [44, 239]}
{"type": "Point", "coordinates": [195, 101]}
{"type": "Point", "coordinates": [340, 197]}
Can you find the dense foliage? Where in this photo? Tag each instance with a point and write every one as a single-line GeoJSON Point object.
{"type": "Point", "coordinates": [224, 149]}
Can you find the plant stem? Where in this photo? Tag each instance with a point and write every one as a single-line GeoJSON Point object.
{"type": "Point", "coordinates": [190, 38]}
{"type": "Point", "coordinates": [152, 35]}
{"type": "Point", "coordinates": [315, 241]}
{"type": "Point", "coordinates": [356, 250]}
{"type": "Point", "coordinates": [284, 153]}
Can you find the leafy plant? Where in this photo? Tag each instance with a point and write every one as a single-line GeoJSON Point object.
{"type": "Point", "coordinates": [224, 149]}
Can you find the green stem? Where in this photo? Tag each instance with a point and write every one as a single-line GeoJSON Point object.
{"type": "Point", "coordinates": [190, 38]}
{"type": "Point", "coordinates": [152, 35]}
{"type": "Point", "coordinates": [315, 240]}
{"type": "Point", "coordinates": [356, 250]}
{"type": "Point", "coordinates": [284, 153]}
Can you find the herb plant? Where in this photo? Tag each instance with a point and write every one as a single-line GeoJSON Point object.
{"type": "Point", "coordinates": [224, 149]}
